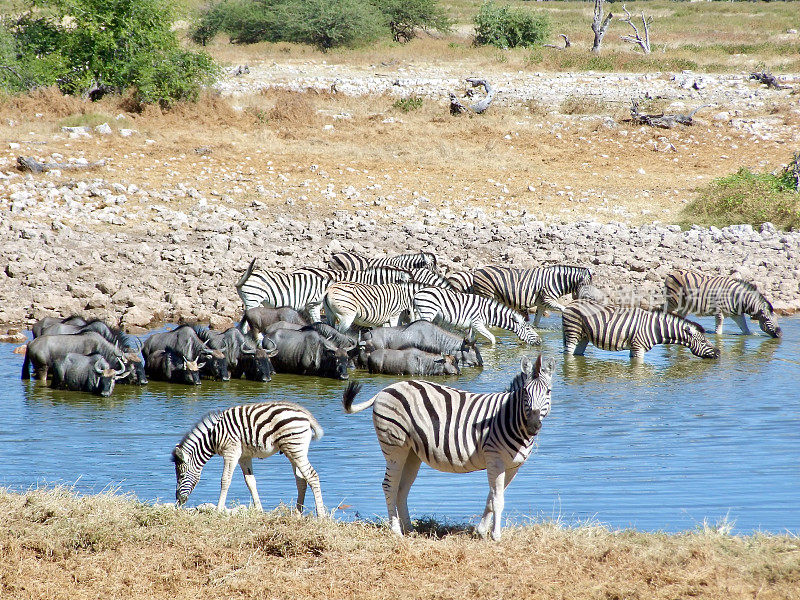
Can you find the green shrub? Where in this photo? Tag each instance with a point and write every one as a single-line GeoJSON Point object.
{"type": "Point", "coordinates": [747, 197]}
{"type": "Point", "coordinates": [330, 23]}
{"type": "Point", "coordinates": [244, 21]}
{"type": "Point", "coordinates": [408, 104]}
{"type": "Point", "coordinates": [404, 17]}
{"type": "Point", "coordinates": [506, 27]}
{"type": "Point", "coordinates": [112, 45]}
{"type": "Point", "coordinates": [21, 71]}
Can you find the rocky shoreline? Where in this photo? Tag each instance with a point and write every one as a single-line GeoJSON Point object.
{"type": "Point", "coordinates": [183, 265]}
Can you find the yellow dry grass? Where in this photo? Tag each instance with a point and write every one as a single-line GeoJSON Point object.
{"type": "Point", "coordinates": [56, 544]}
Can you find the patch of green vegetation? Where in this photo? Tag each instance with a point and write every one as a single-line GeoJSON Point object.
{"type": "Point", "coordinates": [747, 197]}
{"type": "Point", "coordinates": [507, 27]}
{"type": "Point", "coordinates": [408, 104]}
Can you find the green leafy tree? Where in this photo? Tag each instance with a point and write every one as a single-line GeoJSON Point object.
{"type": "Point", "coordinates": [330, 23]}
{"type": "Point", "coordinates": [404, 17]}
{"type": "Point", "coordinates": [507, 27]}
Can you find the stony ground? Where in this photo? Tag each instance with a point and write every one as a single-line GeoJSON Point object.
{"type": "Point", "coordinates": [164, 228]}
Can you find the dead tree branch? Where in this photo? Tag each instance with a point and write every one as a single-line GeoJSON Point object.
{"type": "Point", "coordinates": [457, 107]}
{"type": "Point", "coordinates": [567, 43]}
{"type": "Point", "coordinates": [28, 163]}
{"type": "Point", "coordinates": [636, 38]}
{"type": "Point", "coordinates": [769, 80]}
{"type": "Point", "coordinates": [599, 24]}
{"type": "Point", "coordinates": [661, 120]}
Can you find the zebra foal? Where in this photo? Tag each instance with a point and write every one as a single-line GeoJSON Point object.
{"type": "Point", "coordinates": [634, 329]}
{"type": "Point", "coordinates": [242, 433]}
{"type": "Point", "coordinates": [456, 432]}
{"type": "Point", "coordinates": [692, 292]}
{"type": "Point", "coordinates": [470, 311]}
{"type": "Point", "coordinates": [527, 290]}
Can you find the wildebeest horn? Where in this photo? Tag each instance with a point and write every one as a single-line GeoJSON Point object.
{"type": "Point", "coordinates": [248, 349]}
{"type": "Point", "coordinates": [270, 346]}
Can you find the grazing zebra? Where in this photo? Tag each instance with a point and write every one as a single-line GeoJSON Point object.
{"type": "Point", "coordinates": [303, 289]}
{"type": "Point", "coordinates": [367, 305]}
{"type": "Point", "coordinates": [462, 281]}
{"type": "Point", "coordinates": [526, 289]}
{"type": "Point", "coordinates": [456, 432]}
{"type": "Point", "coordinates": [242, 433]}
{"type": "Point", "coordinates": [469, 311]}
{"type": "Point", "coordinates": [692, 292]}
{"type": "Point", "coordinates": [350, 261]}
{"type": "Point", "coordinates": [634, 329]}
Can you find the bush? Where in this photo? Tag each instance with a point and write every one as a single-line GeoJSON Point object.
{"type": "Point", "coordinates": [747, 197]}
{"type": "Point", "coordinates": [404, 17]}
{"type": "Point", "coordinates": [408, 104]}
{"type": "Point", "coordinates": [108, 45]}
{"type": "Point", "coordinates": [245, 22]}
{"type": "Point", "coordinates": [507, 27]}
{"type": "Point", "coordinates": [330, 23]}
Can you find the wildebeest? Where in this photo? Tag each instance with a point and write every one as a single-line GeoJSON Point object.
{"type": "Point", "coordinates": [175, 356]}
{"type": "Point", "coordinates": [426, 336]}
{"type": "Point", "coordinates": [410, 361]}
{"type": "Point", "coordinates": [46, 322]}
{"type": "Point", "coordinates": [242, 355]}
{"type": "Point", "coordinates": [42, 352]}
{"type": "Point", "coordinates": [256, 320]}
{"type": "Point", "coordinates": [306, 352]}
{"type": "Point", "coordinates": [81, 373]}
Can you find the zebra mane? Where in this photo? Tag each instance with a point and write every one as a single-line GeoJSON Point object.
{"type": "Point", "coordinates": [750, 287]}
{"type": "Point", "coordinates": [520, 381]}
{"type": "Point", "coordinates": [210, 419]}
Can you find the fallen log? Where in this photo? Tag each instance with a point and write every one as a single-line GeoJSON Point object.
{"type": "Point", "coordinates": [457, 107]}
{"type": "Point", "coordinates": [769, 80]}
{"type": "Point", "coordinates": [662, 120]}
{"type": "Point", "coordinates": [28, 163]}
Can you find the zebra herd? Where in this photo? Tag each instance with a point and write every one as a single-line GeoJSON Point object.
{"type": "Point", "coordinates": [418, 421]}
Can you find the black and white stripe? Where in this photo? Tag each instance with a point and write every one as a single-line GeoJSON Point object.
{"type": "Point", "coordinates": [528, 289]}
{"type": "Point", "coordinates": [470, 311]}
{"type": "Point", "coordinates": [354, 262]}
{"type": "Point", "coordinates": [634, 329]}
{"type": "Point", "coordinates": [462, 281]}
{"type": "Point", "coordinates": [242, 433]}
{"type": "Point", "coordinates": [456, 432]}
{"type": "Point", "coordinates": [691, 292]}
{"type": "Point", "coordinates": [347, 303]}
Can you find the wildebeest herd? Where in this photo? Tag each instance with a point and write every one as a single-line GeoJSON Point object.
{"type": "Point", "coordinates": [396, 315]}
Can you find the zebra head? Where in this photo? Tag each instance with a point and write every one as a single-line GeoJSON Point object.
{"type": "Point", "coordinates": [697, 342]}
{"type": "Point", "coordinates": [186, 474]}
{"type": "Point", "coordinates": [767, 320]}
{"type": "Point", "coordinates": [526, 332]}
{"type": "Point", "coordinates": [537, 378]}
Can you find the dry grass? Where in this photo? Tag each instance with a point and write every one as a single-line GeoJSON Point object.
{"type": "Point", "coordinates": [58, 545]}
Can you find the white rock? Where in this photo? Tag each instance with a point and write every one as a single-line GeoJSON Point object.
{"type": "Point", "coordinates": [103, 129]}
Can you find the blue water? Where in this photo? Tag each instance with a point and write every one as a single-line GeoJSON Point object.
{"type": "Point", "coordinates": [667, 445]}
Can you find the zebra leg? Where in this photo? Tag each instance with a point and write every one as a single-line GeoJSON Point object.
{"type": "Point", "coordinates": [718, 320]}
{"type": "Point", "coordinates": [301, 465]}
{"type": "Point", "coordinates": [247, 469]}
{"type": "Point", "coordinates": [395, 462]}
{"type": "Point", "coordinates": [302, 486]}
{"type": "Point", "coordinates": [741, 321]}
{"type": "Point", "coordinates": [231, 458]}
{"type": "Point", "coordinates": [539, 313]}
{"type": "Point", "coordinates": [410, 470]}
{"type": "Point", "coordinates": [637, 354]}
{"type": "Point", "coordinates": [315, 312]}
{"type": "Point", "coordinates": [495, 471]}
{"type": "Point", "coordinates": [481, 328]}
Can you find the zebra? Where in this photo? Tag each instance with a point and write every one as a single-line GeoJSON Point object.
{"type": "Point", "coordinates": [470, 311]}
{"type": "Point", "coordinates": [456, 432]}
{"type": "Point", "coordinates": [634, 329]}
{"type": "Point", "coordinates": [241, 433]}
{"type": "Point", "coordinates": [692, 292]}
{"type": "Point", "coordinates": [356, 262]}
{"type": "Point", "coordinates": [303, 289]}
{"type": "Point", "coordinates": [430, 279]}
{"type": "Point", "coordinates": [526, 289]}
{"type": "Point", "coordinates": [462, 281]}
{"type": "Point", "coordinates": [367, 305]}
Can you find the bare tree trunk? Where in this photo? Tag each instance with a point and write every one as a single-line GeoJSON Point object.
{"type": "Point", "coordinates": [636, 38]}
{"type": "Point", "coordinates": [599, 24]}
{"type": "Point", "coordinates": [457, 107]}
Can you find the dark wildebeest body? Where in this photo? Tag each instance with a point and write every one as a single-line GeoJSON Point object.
{"type": "Point", "coordinates": [242, 355]}
{"type": "Point", "coordinates": [256, 320]}
{"type": "Point", "coordinates": [308, 353]}
{"type": "Point", "coordinates": [426, 336]}
{"type": "Point", "coordinates": [411, 361]}
{"type": "Point", "coordinates": [81, 373]}
{"type": "Point", "coordinates": [42, 352]}
{"type": "Point", "coordinates": [46, 322]}
{"type": "Point", "coordinates": [175, 356]}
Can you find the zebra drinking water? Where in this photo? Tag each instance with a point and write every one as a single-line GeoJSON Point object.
{"type": "Point", "coordinates": [692, 292]}
{"type": "Point", "coordinates": [634, 329]}
{"type": "Point", "coordinates": [242, 433]}
{"type": "Point", "coordinates": [456, 432]}
{"type": "Point", "coordinates": [469, 311]}
{"type": "Point", "coordinates": [528, 289]}
{"type": "Point", "coordinates": [356, 262]}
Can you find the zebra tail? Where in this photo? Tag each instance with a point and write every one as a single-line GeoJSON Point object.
{"type": "Point", "coordinates": [350, 393]}
{"type": "Point", "coordinates": [316, 428]}
{"type": "Point", "coordinates": [26, 373]}
{"type": "Point", "coordinates": [246, 275]}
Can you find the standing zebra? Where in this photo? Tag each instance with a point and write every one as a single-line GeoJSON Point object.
{"type": "Point", "coordinates": [692, 292]}
{"type": "Point", "coordinates": [456, 432]}
{"type": "Point", "coordinates": [634, 329]}
{"type": "Point", "coordinates": [469, 311]}
{"type": "Point", "coordinates": [367, 305]}
{"type": "Point", "coordinates": [241, 433]}
{"type": "Point", "coordinates": [526, 289]}
{"type": "Point", "coordinates": [462, 281]}
{"type": "Point", "coordinates": [355, 262]}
